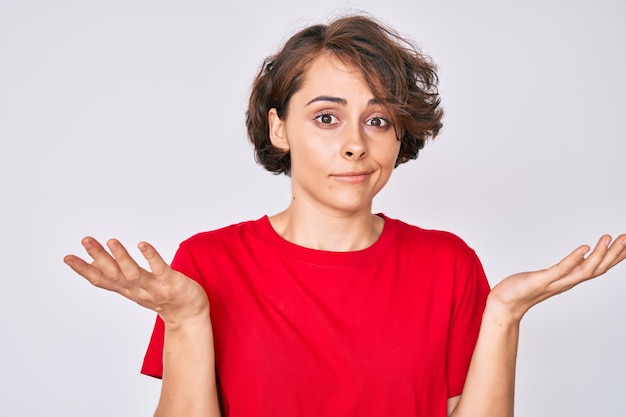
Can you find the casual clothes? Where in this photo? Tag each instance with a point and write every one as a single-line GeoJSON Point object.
{"type": "Point", "coordinates": [384, 331]}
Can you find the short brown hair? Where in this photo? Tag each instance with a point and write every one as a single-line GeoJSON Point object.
{"type": "Point", "coordinates": [400, 76]}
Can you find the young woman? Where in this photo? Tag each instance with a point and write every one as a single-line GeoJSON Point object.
{"type": "Point", "coordinates": [327, 308]}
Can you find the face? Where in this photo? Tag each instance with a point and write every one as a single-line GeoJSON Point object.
{"type": "Point", "coordinates": [342, 144]}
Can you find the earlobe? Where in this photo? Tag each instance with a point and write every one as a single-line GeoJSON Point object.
{"type": "Point", "coordinates": [277, 131]}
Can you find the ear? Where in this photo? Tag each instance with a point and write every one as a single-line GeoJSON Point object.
{"type": "Point", "coordinates": [277, 131]}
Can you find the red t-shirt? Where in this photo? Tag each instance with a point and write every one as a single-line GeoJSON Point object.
{"type": "Point", "coordinates": [384, 331]}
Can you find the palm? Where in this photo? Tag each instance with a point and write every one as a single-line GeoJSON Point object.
{"type": "Point", "coordinates": [170, 293]}
{"type": "Point", "coordinates": [519, 292]}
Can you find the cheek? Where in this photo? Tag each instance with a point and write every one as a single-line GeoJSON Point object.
{"type": "Point", "coordinates": [392, 151]}
{"type": "Point", "coordinates": [314, 150]}
{"type": "Point", "coordinates": [309, 152]}
{"type": "Point", "coordinates": [310, 156]}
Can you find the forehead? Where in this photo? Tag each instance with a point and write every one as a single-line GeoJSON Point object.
{"type": "Point", "coordinates": [332, 74]}
{"type": "Point", "coordinates": [328, 61]}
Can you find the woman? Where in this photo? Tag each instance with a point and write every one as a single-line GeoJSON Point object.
{"type": "Point", "coordinates": [327, 308]}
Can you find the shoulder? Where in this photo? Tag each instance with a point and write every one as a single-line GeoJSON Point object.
{"type": "Point", "coordinates": [230, 234]}
{"type": "Point", "coordinates": [438, 253]}
{"type": "Point", "coordinates": [430, 239]}
{"type": "Point", "coordinates": [206, 251]}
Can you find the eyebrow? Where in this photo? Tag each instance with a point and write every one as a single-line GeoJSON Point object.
{"type": "Point", "coordinates": [338, 100]}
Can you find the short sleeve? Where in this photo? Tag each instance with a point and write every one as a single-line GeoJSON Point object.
{"type": "Point", "coordinates": [184, 263]}
{"type": "Point", "coordinates": [470, 292]}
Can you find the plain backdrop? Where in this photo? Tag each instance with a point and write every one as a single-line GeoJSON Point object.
{"type": "Point", "coordinates": [125, 118]}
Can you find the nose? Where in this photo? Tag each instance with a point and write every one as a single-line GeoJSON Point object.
{"type": "Point", "coordinates": [354, 146]}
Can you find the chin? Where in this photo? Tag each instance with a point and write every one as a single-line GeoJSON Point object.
{"type": "Point", "coordinates": [352, 207]}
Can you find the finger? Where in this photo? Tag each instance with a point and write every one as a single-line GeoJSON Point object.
{"type": "Point", "coordinates": [101, 258]}
{"type": "Point", "coordinates": [599, 253]}
{"type": "Point", "coordinates": [571, 261]}
{"type": "Point", "coordinates": [622, 255]}
{"type": "Point", "coordinates": [616, 253]}
{"type": "Point", "coordinates": [157, 265]}
{"type": "Point", "coordinates": [77, 264]}
{"type": "Point", "coordinates": [130, 270]}
{"type": "Point", "coordinates": [586, 269]}
{"type": "Point", "coordinates": [90, 272]}
{"type": "Point", "coordinates": [557, 278]}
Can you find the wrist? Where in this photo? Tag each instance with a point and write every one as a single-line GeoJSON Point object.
{"type": "Point", "coordinates": [500, 313]}
{"type": "Point", "coordinates": [180, 320]}
{"type": "Point", "coordinates": [191, 306]}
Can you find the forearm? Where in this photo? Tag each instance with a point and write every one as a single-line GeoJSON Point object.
{"type": "Point", "coordinates": [189, 386]}
{"type": "Point", "coordinates": [489, 387]}
{"type": "Point", "coordinates": [490, 384]}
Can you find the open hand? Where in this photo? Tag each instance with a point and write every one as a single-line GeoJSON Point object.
{"type": "Point", "coordinates": [516, 294]}
{"type": "Point", "coordinates": [171, 294]}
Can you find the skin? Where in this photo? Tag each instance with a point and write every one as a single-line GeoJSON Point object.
{"type": "Point", "coordinates": [343, 149]}
{"type": "Point", "coordinates": [342, 153]}
{"type": "Point", "coordinates": [490, 383]}
{"type": "Point", "coordinates": [189, 386]}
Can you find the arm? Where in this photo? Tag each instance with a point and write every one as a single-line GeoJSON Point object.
{"type": "Point", "coordinates": [189, 386]}
{"type": "Point", "coordinates": [489, 387]}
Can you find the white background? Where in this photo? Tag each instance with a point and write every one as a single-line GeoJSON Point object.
{"type": "Point", "coordinates": [125, 118]}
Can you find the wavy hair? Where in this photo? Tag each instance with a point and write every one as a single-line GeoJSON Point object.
{"type": "Point", "coordinates": [400, 76]}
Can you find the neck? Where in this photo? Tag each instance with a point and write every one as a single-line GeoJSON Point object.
{"type": "Point", "coordinates": [328, 231]}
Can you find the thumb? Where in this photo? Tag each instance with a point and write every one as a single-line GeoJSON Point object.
{"type": "Point", "coordinates": [157, 265]}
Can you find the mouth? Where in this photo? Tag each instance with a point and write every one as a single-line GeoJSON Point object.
{"type": "Point", "coordinates": [352, 177]}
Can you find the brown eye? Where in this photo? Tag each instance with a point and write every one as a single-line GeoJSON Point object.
{"type": "Point", "coordinates": [377, 122]}
{"type": "Point", "coordinates": [326, 119]}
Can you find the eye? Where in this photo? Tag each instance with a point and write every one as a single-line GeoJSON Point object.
{"type": "Point", "coordinates": [377, 122]}
{"type": "Point", "coordinates": [326, 118]}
